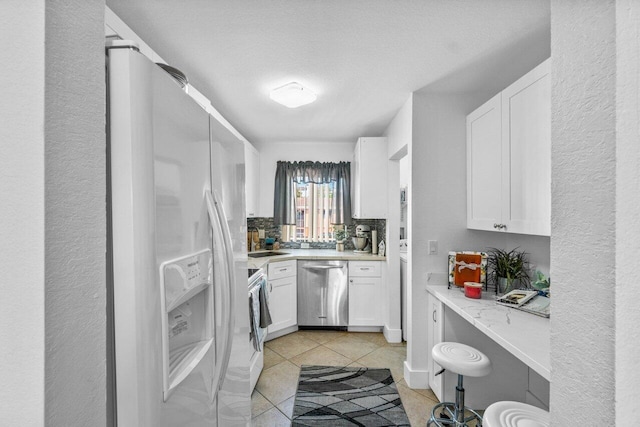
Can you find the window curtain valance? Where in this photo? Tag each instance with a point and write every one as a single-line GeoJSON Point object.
{"type": "Point", "coordinates": [290, 173]}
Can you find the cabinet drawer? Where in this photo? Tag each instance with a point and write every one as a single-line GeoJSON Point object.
{"type": "Point", "coordinates": [278, 270]}
{"type": "Point", "coordinates": [364, 269]}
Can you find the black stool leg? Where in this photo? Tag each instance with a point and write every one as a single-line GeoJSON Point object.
{"type": "Point", "coordinates": [459, 414]}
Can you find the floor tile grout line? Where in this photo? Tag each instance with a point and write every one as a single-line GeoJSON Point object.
{"type": "Point", "coordinates": [268, 409]}
{"type": "Point", "coordinates": [349, 357]}
{"type": "Point", "coordinates": [386, 348]}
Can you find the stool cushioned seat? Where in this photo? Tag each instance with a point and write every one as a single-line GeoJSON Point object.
{"type": "Point", "coordinates": [514, 414]}
{"type": "Point", "coordinates": [461, 359]}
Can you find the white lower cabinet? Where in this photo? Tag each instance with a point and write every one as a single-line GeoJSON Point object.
{"type": "Point", "coordinates": [283, 295]}
{"type": "Point", "coordinates": [435, 335]}
{"type": "Point", "coordinates": [365, 293]}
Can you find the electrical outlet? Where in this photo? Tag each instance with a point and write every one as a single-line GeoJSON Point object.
{"type": "Point", "coordinates": [260, 234]}
{"type": "Point", "coordinates": [304, 246]}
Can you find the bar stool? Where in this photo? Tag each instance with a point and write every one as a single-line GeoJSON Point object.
{"type": "Point", "coordinates": [462, 360]}
{"type": "Point", "coordinates": [514, 414]}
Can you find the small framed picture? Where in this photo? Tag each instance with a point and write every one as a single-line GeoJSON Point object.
{"type": "Point", "coordinates": [467, 266]}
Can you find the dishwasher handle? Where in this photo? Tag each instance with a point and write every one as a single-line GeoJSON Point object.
{"type": "Point", "coordinates": [321, 267]}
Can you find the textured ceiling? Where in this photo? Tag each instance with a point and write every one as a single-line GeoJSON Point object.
{"type": "Point", "coordinates": [362, 57]}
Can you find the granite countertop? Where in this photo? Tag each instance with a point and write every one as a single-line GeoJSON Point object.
{"type": "Point", "coordinates": [522, 334]}
{"type": "Point", "coordinates": [311, 254]}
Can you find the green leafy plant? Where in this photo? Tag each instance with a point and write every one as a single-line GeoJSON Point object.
{"type": "Point", "coordinates": [339, 235]}
{"type": "Point", "coordinates": [541, 282]}
{"type": "Point", "coordinates": [513, 266]}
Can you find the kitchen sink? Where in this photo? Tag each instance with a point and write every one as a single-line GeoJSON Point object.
{"type": "Point", "coordinates": [265, 253]}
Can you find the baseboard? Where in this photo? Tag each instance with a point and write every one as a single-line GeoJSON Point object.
{"type": "Point", "coordinates": [415, 378]}
{"type": "Point", "coordinates": [364, 328]}
{"type": "Point", "coordinates": [392, 335]}
{"type": "Point", "coordinates": [281, 332]}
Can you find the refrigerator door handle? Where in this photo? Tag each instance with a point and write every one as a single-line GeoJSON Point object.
{"type": "Point", "coordinates": [218, 218]}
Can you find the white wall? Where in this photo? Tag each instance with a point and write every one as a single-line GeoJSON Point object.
{"type": "Point", "coordinates": [75, 215]}
{"type": "Point", "coordinates": [627, 375]}
{"type": "Point", "coordinates": [53, 216]}
{"type": "Point", "coordinates": [404, 171]}
{"type": "Point", "coordinates": [399, 131]}
{"type": "Point", "coordinates": [437, 205]}
{"type": "Point", "coordinates": [22, 328]}
{"type": "Point", "coordinates": [398, 135]}
{"type": "Point", "coordinates": [272, 152]}
{"type": "Point", "coordinates": [583, 131]}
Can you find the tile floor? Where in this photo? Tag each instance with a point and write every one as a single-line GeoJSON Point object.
{"type": "Point", "coordinates": [273, 397]}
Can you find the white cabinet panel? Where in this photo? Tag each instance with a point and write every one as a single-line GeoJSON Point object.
{"type": "Point", "coordinates": [435, 334]}
{"type": "Point", "coordinates": [369, 180]}
{"type": "Point", "coordinates": [278, 270]}
{"type": "Point", "coordinates": [366, 293]}
{"type": "Point", "coordinates": [509, 158]}
{"type": "Point", "coordinates": [526, 136]}
{"type": "Point", "coordinates": [484, 151]}
{"type": "Point", "coordinates": [283, 302]}
{"type": "Point", "coordinates": [283, 295]}
{"type": "Point", "coordinates": [364, 269]}
{"type": "Point", "coordinates": [252, 179]}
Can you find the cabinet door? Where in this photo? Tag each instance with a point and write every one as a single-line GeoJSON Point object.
{"type": "Point", "coordinates": [435, 333]}
{"type": "Point", "coordinates": [355, 187]}
{"type": "Point", "coordinates": [526, 124]}
{"type": "Point", "coordinates": [282, 303]}
{"type": "Point", "coordinates": [484, 151]}
{"type": "Point", "coordinates": [370, 195]}
{"type": "Point", "coordinates": [365, 301]}
{"type": "Point", "coordinates": [252, 179]}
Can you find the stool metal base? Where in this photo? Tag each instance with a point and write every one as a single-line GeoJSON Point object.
{"type": "Point", "coordinates": [455, 412]}
{"type": "Point", "coordinates": [450, 409]}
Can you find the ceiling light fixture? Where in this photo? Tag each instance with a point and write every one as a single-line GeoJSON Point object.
{"type": "Point", "coordinates": [293, 95]}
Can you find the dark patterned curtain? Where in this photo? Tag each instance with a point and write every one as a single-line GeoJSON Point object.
{"type": "Point", "coordinates": [290, 173]}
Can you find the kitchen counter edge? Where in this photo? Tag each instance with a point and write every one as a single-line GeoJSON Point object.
{"type": "Point", "coordinates": [295, 254]}
{"type": "Point", "coordinates": [524, 335]}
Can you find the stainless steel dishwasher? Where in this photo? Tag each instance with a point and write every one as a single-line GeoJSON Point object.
{"type": "Point", "coordinates": [323, 294]}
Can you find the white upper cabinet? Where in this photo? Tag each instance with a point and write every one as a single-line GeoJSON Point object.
{"type": "Point", "coordinates": [369, 180]}
{"type": "Point", "coordinates": [526, 136]}
{"type": "Point", "coordinates": [509, 158]}
{"type": "Point", "coordinates": [484, 174]}
{"type": "Point", "coordinates": [252, 179]}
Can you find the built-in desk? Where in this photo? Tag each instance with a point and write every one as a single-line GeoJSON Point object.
{"type": "Point", "coordinates": [523, 335]}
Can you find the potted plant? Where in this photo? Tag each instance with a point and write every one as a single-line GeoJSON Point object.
{"type": "Point", "coordinates": [509, 269]}
{"type": "Point", "coordinates": [339, 235]}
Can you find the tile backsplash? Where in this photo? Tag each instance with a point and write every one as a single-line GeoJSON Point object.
{"type": "Point", "coordinates": [272, 230]}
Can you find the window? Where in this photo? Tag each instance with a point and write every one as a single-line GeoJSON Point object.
{"type": "Point", "coordinates": [314, 212]}
{"type": "Point", "coordinates": [310, 198]}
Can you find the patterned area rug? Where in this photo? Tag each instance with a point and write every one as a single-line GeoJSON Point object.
{"type": "Point", "coordinates": [334, 396]}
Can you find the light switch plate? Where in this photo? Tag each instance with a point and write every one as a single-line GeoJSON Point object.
{"type": "Point", "coordinates": [304, 246]}
{"type": "Point", "coordinates": [433, 247]}
{"type": "Point", "coordinates": [260, 234]}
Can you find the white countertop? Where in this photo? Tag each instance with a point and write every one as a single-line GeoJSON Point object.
{"type": "Point", "coordinates": [311, 254]}
{"type": "Point", "coordinates": [524, 335]}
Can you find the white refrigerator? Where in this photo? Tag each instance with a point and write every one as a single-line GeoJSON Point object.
{"type": "Point", "coordinates": [178, 301]}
